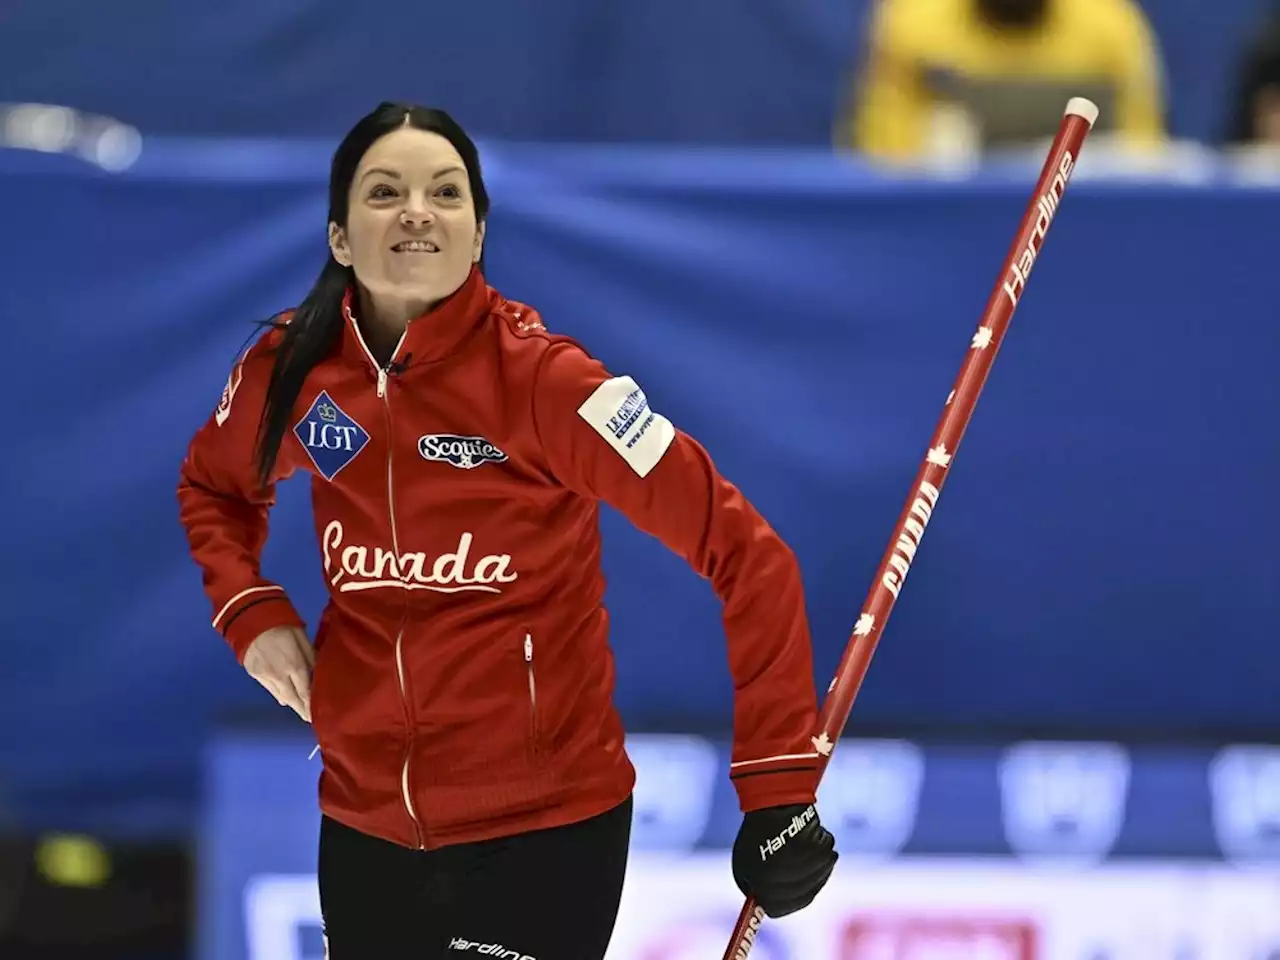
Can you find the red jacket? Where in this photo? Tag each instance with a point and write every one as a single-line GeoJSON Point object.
{"type": "Point", "coordinates": [463, 679]}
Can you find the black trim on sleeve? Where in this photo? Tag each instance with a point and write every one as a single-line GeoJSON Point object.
{"type": "Point", "coordinates": [253, 603]}
{"type": "Point", "coordinates": [761, 773]}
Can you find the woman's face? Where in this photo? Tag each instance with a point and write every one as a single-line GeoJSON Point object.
{"type": "Point", "coordinates": [411, 225]}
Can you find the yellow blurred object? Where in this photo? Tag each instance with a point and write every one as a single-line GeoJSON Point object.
{"type": "Point", "coordinates": [73, 861]}
{"type": "Point", "coordinates": [927, 56]}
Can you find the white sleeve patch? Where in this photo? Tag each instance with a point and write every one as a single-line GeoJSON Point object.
{"type": "Point", "coordinates": [229, 393]}
{"type": "Point", "coordinates": [619, 412]}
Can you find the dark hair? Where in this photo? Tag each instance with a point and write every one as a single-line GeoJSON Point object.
{"type": "Point", "coordinates": [317, 322]}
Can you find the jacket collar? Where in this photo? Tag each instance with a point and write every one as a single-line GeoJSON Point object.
{"type": "Point", "coordinates": [432, 336]}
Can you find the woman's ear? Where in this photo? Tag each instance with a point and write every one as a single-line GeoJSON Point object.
{"type": "Point", "coordinates": [478, 246]}
{"type": "Point", "coordinates": [338, 245]}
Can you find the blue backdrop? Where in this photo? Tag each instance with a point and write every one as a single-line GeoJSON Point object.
{"type": "Point", "coordinates": [719, 71]}
{"type": "Point", "coordinates": [1103, 557]}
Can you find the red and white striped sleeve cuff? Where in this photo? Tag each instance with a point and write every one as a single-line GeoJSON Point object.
{"type": "Point", "coordinates": [773, 781]}
{"type": "Point", "coordinates": [251, 612]}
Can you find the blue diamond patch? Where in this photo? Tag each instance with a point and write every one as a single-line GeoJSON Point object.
{"type": "Point", "coordinates": [331, 438]}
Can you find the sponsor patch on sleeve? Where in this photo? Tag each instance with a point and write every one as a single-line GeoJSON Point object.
{"type": "Point", "coordinates": [619, 411]}
{"type": "Point", "coordinates": [229, 393]}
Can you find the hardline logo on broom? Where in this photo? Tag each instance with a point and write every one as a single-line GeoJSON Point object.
{"type": "Point", "coordinates": [1047, 207]}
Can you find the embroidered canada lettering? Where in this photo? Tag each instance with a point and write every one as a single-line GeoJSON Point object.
{"type": "Point", "coordinates": [360, 567]}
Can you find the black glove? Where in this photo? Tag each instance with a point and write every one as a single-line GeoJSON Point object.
{"type": "Point", "coordinates": [782, 857]}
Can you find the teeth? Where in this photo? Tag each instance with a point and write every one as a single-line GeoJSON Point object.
{"type": "Point", "coordinates": [417, 246]}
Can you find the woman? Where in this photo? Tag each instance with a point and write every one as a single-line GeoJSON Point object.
{"type": "Point", "coordinates": [475, 790]}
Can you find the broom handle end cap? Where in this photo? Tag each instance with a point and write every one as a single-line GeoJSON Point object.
{"type": "Point", "coordinates": [1084, 108]}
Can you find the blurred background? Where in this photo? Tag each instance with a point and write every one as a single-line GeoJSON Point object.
{"type": "Point", "coordinates": [784, 218]}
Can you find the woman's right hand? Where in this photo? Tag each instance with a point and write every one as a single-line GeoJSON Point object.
{"type": "Point", "coordinates": [281, 659]}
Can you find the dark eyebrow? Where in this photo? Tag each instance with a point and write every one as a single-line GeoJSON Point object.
{"type": "Point", "coordinates": [395, 176]}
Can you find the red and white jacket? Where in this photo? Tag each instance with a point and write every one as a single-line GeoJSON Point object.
{"type": "Point", "coordinates": [463, 678]}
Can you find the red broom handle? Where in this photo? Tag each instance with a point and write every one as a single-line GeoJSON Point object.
{"type": "Point", "coordinates": [1077, 121]}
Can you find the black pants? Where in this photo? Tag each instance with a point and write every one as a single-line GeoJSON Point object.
{"type": "Point", "coordinates": [546, 895]}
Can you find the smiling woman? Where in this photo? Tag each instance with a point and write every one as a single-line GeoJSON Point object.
{"type": "Point", "coordinates": [475, 789]}
{"type": "Point", "coordinates": [412, 231]}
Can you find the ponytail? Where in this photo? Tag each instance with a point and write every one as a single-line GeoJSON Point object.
{"type": "Point", "coordinates": [308, 338]}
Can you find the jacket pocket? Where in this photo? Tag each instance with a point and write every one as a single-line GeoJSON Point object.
{"type": "Point", "coordinates": [534, 736]}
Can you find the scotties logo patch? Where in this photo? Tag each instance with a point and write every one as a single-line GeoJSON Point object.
{"type": "Point", "coordinates": [465, 453]}
{"type": "Point", "coordinates": [331, 438]}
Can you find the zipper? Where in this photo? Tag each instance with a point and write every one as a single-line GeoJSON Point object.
{"type": "Point", "coordinates": [533, 688]}
{"type": "Point", "coordinates": [405, 792]}
{"type": "Point", "coordinates": [404, 770]}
